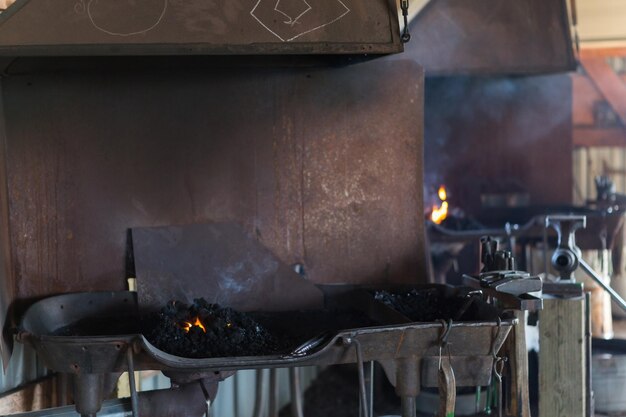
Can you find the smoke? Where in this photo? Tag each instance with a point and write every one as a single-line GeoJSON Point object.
{"type": "Point", "coordinates": [487, 133]}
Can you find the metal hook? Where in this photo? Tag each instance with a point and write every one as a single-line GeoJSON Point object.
{"type": "Point", "coordinates": [446, 326]}
{"type": "Point", "coordinates": [443, 339]}
{"type": "Point", "coordinates": [498, 370]}
{"type": "Point", "coordinates": [406, 36]}
{"type": "Point", "coordinates": [495, 339]}
{"type": "Point", "coordinates": [352, 341]}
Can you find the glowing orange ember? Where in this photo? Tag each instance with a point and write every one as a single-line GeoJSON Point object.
{"type": "Point", "coordinates": [440, 213]}
{"type": "Point", "coordinates": [443, 195]}
{"type": "Point", "coordinates": [197, 323]}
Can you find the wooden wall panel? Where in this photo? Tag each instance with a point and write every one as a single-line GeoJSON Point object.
{"type": "Point", "coordinates": [324, 165]}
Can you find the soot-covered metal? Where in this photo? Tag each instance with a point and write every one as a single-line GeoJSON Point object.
{"type": "Point", "coordinates": [364, 329]}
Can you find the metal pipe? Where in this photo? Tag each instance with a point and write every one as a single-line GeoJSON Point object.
{"type": "Point", "coordinates": [597, 278]}
{"type": "Point", "coordinates": [88, 393]}
{"type": "Point", "coordinates": [259, 399]}
{"type": "Point", "coordinates": [369, 385]}
{"type": "Point", "coordinates": [408, 407]}
{"type": "Point", "coordinates": [362, 390]}
{"type": "Point", "coordinates": [296, 392]}
{"type": "Point", "coordinates": [131, 379]}
{"type": "Point", "coordinates": [273, 392]}
{"type": "Point", "coordinates": [186, 401]}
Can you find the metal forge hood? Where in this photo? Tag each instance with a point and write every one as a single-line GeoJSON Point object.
{"type": "Point", "coordinates": [492, 37]}
{"type": "Point", "coordinates": [173, 27]}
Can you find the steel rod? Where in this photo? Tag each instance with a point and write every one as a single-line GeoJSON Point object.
{"type": "Point", "coordinates": [134, 400]}
{"type": "Point", "coordinates": [370, 388]}
{"type": "Point", "coordinates": [362, 390]}
{"type": "Point", "coordinates": [259, 399]}
{"type": "Point", "coordinates": [597, 278]}
{"type": "Point", "coordinates": [273, 392]}
{"type": "Point", "coordinates": [296, 392]}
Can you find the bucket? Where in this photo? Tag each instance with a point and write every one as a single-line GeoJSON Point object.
{"type": "Point", "coordinates": [608, 376]}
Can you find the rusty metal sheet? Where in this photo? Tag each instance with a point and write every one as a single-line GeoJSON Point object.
{"type": "Point", "coordinates": [492, 37]}
{"type": "Point", "coordinates": [220, 262]}
{"type": "Point", "coordinates": [132, 27]}
{"type": "Point", "coordinates": [323, 165]}
{"type": "Point", "coordinates": [7, 285]}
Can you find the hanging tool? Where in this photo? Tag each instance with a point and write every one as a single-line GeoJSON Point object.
{"type": "Point", "coordinates": [447, 382]}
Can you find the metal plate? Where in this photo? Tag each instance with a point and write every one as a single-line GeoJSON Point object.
{"type": "Point", "coordinates": [317, 163]}
{"type": "Point", "coordinates": [130, 27]}
{"type": "Point", "coordinates": [492, 37]}
{"type": "Point", "coordinates": [220, 262]}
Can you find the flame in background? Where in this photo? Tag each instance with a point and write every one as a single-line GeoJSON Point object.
{"type": "Point", "coordinates": [442, 193]}
{"type": "Point", "coordinates": [440, 212]}
{"type": "Point", "coordinates": [197, 323]}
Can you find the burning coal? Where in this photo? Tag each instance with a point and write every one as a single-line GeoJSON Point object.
{"type": "Point", "coordinates": [204, 330]}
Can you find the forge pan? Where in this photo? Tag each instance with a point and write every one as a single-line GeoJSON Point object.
{"type": "Point", "coordinates": [388, 342]}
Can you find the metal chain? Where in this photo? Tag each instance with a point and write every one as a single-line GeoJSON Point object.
{"type": "Point", "coordinates": [406, 36]}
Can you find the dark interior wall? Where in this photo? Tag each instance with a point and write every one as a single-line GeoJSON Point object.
{"type": "Point", "coordinates": [495, 134]}
{"type": "Point", "coordinates": [324, 165]}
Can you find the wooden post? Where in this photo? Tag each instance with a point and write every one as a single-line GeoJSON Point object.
{"type": "Point", "coordinates": [516, 350]}
{"type": "Point", "coordinates": [562, 359]}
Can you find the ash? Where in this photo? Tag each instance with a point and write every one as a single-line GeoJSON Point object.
{"type": "Point", "coordinates": [226, 332]}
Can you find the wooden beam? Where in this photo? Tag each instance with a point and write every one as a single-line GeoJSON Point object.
{"type": "Point", "coordinates": [562, 359]}
{"type": "Point", "coordinates": [587, 53]}
{"type": "Point", "coordinates": [516, 351]}
{"type": "Point", "coordinates": [594, 136]}
{"type": "Point", "coordinates": [585, 95]}
{"type": "Point", "coordinates": [608, 83]}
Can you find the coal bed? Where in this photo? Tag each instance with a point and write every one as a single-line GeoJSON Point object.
{"type": "Point", "coordinates": [433, 304]}
{"type": "Point", "coordinates": [204, 330]}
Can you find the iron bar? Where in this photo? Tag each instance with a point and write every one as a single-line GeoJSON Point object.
{"type": "Point", "coordinates": [362, 390]}
{"type": "Point", "coordinates": [296, 392]}
{"type": "Point", "coordinates": [131, 379]}
{"type": "Point", "coordinates": [273, 393]}
{"type": "Point", "coordinates": [597, 278]}
{"type": "Point", "coordinates": [259, 399]}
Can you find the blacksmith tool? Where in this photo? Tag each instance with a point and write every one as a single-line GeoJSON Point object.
{"type": "Point", "coordinates": [567, 256]}
{"type": "Point", "coordinates": [447, 382]}
{"type": "Point", "coordinates": [500, 279]}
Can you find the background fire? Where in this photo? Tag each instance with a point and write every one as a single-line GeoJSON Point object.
{"type": "Point", "coordinates": [440, 212]}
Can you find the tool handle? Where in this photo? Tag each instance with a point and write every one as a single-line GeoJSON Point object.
{"type": "Point", "coordinates": [447, 390]}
